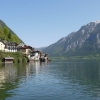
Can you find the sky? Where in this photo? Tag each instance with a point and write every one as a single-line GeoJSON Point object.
{"type": "Point", "coordinates": [40, 23]}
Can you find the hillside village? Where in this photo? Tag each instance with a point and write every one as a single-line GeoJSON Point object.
{"type": "Point", "coordinates": [28, 51]}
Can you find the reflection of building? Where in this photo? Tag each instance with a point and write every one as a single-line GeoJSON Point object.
{"type": "Point", "coordinates": [44, 63]}
{"type": "Point", "coordinates": [33, 68]}
{"type": "Point", "coordinates": [10, 72]}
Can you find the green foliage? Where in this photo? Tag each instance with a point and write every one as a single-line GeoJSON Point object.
{"type": "Point", "coordinates": [7, 34]}
{"type": "Point", "coordinates": [5, 31]}
{"type": "Point", "coordinates": [24, 60]}
{"type": "Point", "coordinates": [18, 56]}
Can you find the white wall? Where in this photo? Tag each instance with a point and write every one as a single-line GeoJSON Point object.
{"type": "Point", "coordinates": [2, 46]}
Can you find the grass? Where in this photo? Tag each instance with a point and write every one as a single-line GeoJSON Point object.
{"type": "Point", "coordinates": [18, 56]}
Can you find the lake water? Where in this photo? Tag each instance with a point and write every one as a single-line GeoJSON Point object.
{"type": "Point", "coordinates": [56, 80]}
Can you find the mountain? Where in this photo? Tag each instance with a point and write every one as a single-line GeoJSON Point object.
{"type": "Point", "coordinates": [86, 41]}
{"type": "Point", "coordinates": [7, 34]}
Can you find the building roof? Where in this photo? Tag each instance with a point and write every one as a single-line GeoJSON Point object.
{"type": "Point", "coordinates": [26, 47]}
{"type": "Point", "coordinates": [21, 45]}
{"type": "Point", "coordinates": [12, 44]}
{"type": "Point", "coordinates": [5, 41]}
{"type": "Point", "coordinates": [9, 57]}
{"type": "Point", "coordinates": [36, 51]}
{"type": "Point", "coordinates": [2, 41]}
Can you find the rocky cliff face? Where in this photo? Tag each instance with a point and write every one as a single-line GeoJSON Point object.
{"type": "Point", "coordinates": [86, 38]}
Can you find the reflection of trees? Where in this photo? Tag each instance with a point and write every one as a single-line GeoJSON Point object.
{"type": "Point", "coordinates": [10, 76]}
{"type": "Point", "coordinates": [7, 75]}
{"type": "Point", "coordinates": [10, 72]}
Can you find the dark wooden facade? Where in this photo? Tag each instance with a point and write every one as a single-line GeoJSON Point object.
{"type": "Point", "coordinates": [8, 60]}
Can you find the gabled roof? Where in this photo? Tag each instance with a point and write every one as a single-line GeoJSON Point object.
{"type": "Point", "coordinates": [5, 41]}
{"type": "Point", "coordinates": [26, 47]}
{"type": "Point", "coordinates": [21, 45]}
{"type": "Point", "coordinates": [12, 44]}
{"type": "Point", "coordinates": [2, 41]}
{"type": "Point", "coordinates": [36, 51]}
{"type": "Point", "coordinates": [9, 57]}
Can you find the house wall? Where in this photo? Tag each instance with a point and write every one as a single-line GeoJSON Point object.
{"type": "Point", "coordinates": [27, 51]}
{"type": "Point", "coordinates": [11, 47]}
{"type": "Point", "coordinates": [8, 60]}
{"type": "Point", "coordinates": [23, 50]}
{"type": "Point", "coordinates": [7, 50]}
{"type": "Point", "coordinates": [2, 46]}
{"type": "Point", "coordinates": [37, 56]}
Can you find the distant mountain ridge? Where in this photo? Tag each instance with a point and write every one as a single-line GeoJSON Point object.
{"type": "Point", "coordinates": [86, 41]}
{"type": "Point", "coordinates": [7, 34]}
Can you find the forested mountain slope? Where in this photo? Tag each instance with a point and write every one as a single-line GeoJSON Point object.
{"type": "Point", "coordinates": [7, 34]}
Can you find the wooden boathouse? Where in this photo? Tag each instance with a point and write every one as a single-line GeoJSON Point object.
{"type": "Point", "coordinates": [8, 60]}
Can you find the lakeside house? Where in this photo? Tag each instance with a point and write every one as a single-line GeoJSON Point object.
{"type": "Point", "coordinates": [28, 51]}
{"type": "Point", "coordinates": [2, 45]}
{"type": "Point", "coordinates": [21, 45]}
{"type": "Point", "coordinates": [34, 55]}
{"type": "Point", "coordinates": [8, 60]}
{"type": "Point", "coordinates": [11, 47]}
{"type": "Point", "coordinates": [8, 46]}
{"type": "Point", "coordinates": [44, 57]}
{"type": "Point", "coordinates": [37, 55]}
{"type": "Point", "coordinates": [25, 49]}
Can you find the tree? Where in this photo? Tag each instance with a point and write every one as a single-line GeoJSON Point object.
{"type": "Point", "coordinates": [6, 31]}
{"type": "Point", "coordinates": [9, 36]}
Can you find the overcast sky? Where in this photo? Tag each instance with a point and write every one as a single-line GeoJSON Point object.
{"type": "Point", "coordinates": [40, 23]}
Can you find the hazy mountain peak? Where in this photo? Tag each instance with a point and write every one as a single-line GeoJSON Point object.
{"type": "Point", "coordinates": [97, 21]}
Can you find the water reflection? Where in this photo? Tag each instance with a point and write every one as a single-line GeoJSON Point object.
{"type": "Point", "coordinates": [32, 68]}
{"type": "Point", "coordinates": [11, 76]}
{"type": "Point", "coordinates": [8, 75]}
{"type": "Point", "coordinates": [10, 72]}
{"type": "Point", "coordinates": [61, 80]}
{"type": "Point", "coordinates": [82, 76]}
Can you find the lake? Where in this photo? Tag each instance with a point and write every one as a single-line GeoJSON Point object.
{"type": "Point", "coordinates": [56, 80]}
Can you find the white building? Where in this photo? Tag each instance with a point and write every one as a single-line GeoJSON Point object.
{"type": "Point", "coordinates": [2, 45]}
{"type": "Point", "coordinates": [11, 47]}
